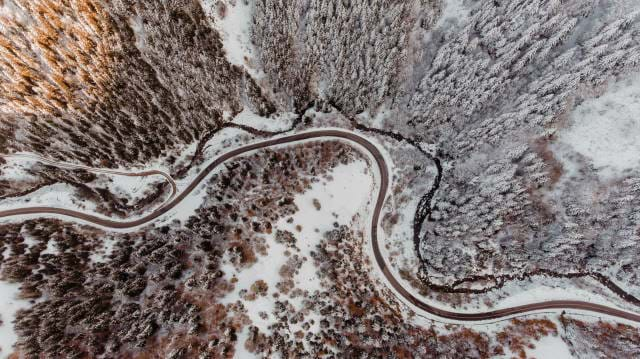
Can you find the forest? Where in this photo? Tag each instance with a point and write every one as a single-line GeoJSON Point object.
{"type": "Point", "coordinates": [478, 101]}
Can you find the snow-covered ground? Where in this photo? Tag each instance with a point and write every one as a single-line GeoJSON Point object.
{"type": "Point", "coordinates": [550, 347]}
{"type": "Point", "coordinates": [102, 253]}
{"type": "Point", "coordinates": [224, 141]}
{"type": "Point", "coordinates": [240, 351]}
{"type": "Point", "coordinates": [453, 11]}
{"type": "Point", "coordinates": [132, 188]}
{"type": "Point", "coordinates": [606, 130]}
{"type": "Point", "coordinates": [516, 293]}
{"type": "Point", "coordinates": [398, 249]}
{"type": "Point", "coordinates": [15, 169]}
{"type": "Point", "coordinates": [343, 198]}
{"type": "Point", "coordinates": [232, 19]}
{"type": "Point", "coordinates": [347, 198]}
{"type": "Point", "coordinates": [56, 195]}
{"type": "Point", "coordinates": [10, 304]}
{"type": "Point", "coordinates": [59, 195]}
{"type": "Point", "coordinates": [544, 289]}
{"type": "Point", "coordinates": [277, 123]}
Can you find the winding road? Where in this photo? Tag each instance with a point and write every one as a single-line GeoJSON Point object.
{"type": "Point", "coordinates": [73, 166]}
{"type": "Point", "coordinates": [383, 169]}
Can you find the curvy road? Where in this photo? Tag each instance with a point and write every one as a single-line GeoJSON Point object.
{"type": "Point", "coordinates": [382, 192]}
{"type": "Point", "coordinates": [167, 177]}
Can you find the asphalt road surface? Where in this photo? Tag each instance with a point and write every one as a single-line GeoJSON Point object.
{"type": "Point", "coordinates": [66, 165]}
{"type": "Point", "coordinates": [382, 192]}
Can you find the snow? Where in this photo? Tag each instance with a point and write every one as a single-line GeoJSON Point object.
{"type": "Point", "coordinates": [266, 269]}
{"type": "Point", "coordinates": [550, 347]}
{"type": "Point", "coordinates": [605, 130]}
{"type": "Point", "coordinates": [620, 8]}
{"type": "Point", "coordinates": [8, 309]}
{"type": "Point", "coordinates": [29, 241]}
{"type": "Point", "coordinates": [101, 254]}
{"type": "Point", "coordinates": [240, 351]}
{"type": "Point", "coordinates": [15, 169]}
{"type": "Point", "coordinates": [137, 26]}
{"type": "Point", "coordinates": [345, 199]}
{"type": "Point", "coordinates": [541, 293]}
{"type": "Point", "coordinates": [277, 123]}
{"type": "Point", "coordinates": [28, 159]}
{"type": "Point", "coordinates": [342, 198]}
{"type": "Point", "coordinates": [613, 112]}
{"type": "Point", "coordinates": [235, 29]}
{"type": "Point", "coordinates": [51, 248]}
{"type": "Point", "coordinates": [401, 253]}
{"type": "Point", "coordinates": [132, 188]}
{"type": "Point", "coordinates": [9, 9]}
{"type": "Point", "coordinates": [223, 141]}
{"type": "Point", "coordinates": [57, 195]}
{"type": "Point", "coordinates": [378, 118]}
{"type": "Point", "coordinates": [61, 194]}
{"type": "Point", "coordinates": [187, 207]}
{"type": "Point", "coordinates": [397, 243]}
{"type": "Point", "coordinates": [516, 293]}
{"type": "Point", "coordinates": [346, 195]}
{"type": "Point", "coordinates": [453, 11]}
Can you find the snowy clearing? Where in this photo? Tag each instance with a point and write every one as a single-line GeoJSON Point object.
{"type": "Point", "coordinates": [606, 130]}
{"type": "Point", "coordinates": [132, 188]}
{"type": "Point", "coordinates": [16, 169]}
{"type": "Point", "coordinates": [10, 305]}
{"type": "Point", "coordinates": [342, 198]}
{"type": "Point", "coordinates": [232, 19]}
{"type": "Point", "coordinates": [58, 195]}
{"type": "Point", "coordinates": [453, 11]}
{"type": "Point", "coordinates": [277, 123]}
{"type": "Point", "coordinates": [550, 347]}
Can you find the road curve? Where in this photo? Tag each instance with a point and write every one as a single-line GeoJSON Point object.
{"type": "Point", "coordinates": [382, 192]}
{"type": "Point", "coordinates": [67, 165]}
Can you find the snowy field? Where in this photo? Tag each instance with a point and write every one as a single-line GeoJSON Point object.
{"type": "Point", "coordinates": [10, 304]}
{"type": "Point", "coordinates": [343, 199]}
{"type": "Point", "coordinates": [277, 123]}
{"type": "Point", "coordinates": [232, 19]}
{"type": "Point", "coordinates": [606, 130]}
